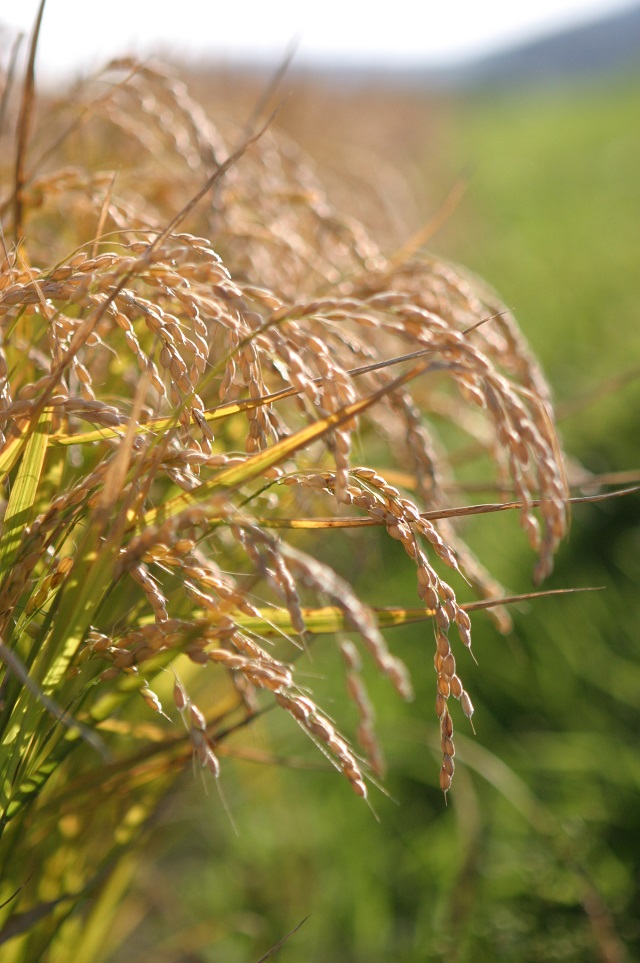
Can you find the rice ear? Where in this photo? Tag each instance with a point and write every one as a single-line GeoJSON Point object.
{"type": "Point", "coordinates": [192, 353]}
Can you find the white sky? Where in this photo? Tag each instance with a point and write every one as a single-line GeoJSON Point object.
{"type": "Point", "coordinates": [79, 35]}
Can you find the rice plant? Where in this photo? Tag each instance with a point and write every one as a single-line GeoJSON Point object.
{"type": "Point", "coordinates": [205, 371]}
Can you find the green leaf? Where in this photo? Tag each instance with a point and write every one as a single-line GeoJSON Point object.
{"type": "Point", "coordinates": [20, 509]}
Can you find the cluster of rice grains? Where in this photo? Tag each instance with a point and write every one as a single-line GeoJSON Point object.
{"type": "Point", "coordinates": [263, 314]}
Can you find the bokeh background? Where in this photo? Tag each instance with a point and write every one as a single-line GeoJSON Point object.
{"type": "Point", "coordinates": [524, 165]}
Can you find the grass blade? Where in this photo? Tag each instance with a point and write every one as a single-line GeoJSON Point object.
{"type": "Point", "coordinates": [23, 498]}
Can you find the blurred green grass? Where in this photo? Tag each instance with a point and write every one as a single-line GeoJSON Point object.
{"type": "Point", "coordinates": [536, 855]}
{"type": "Point", "coordinates": [551, 219]}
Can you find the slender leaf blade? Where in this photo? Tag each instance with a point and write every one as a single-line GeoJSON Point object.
{"type": "Point", "coordinates": [23, 498]}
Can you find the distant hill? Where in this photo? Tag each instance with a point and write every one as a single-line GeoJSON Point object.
{"type": "Point", "coordinates": [599, 47]}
